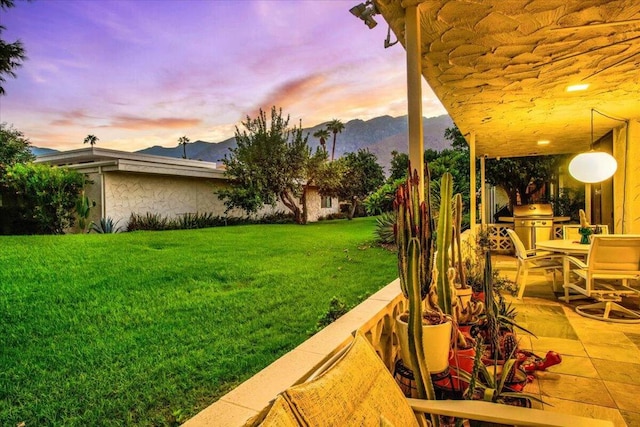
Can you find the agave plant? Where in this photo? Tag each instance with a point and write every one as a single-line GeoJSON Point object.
{"type": "Point", "coordinates": [106, 226]}
{"type": "Point", "coordinates": [384, 228]}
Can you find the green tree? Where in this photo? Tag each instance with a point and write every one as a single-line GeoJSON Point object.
{"type": "Point", "coordinates": [336, 127]}
{"type": "Point", "coordinates": [322, 135]}
{"type": "Point", "coordinates": [400, 163]}
{"type": "Point", "coordinates": [47, 196]}
{"type": "Point", "coordinates": [91, 140]}
{"type": "Point", "coordinates": [14, 147]}
{"type": "Point", "coordinates": [522, 176]}
{"type": "Point", "coordinates": [183, 140]}
{"type": "Point", "coordinates": [269, 164]}
{"type": "Point", "coordinates": [361, 176]}
{"type": "Point", "coordinates": [11, 54]}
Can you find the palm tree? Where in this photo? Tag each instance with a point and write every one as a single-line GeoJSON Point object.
{"type": "Point", "coordinates": [322, 135]}
{"type": "Point", "coordinates": [336, 127]}
{"type": "Point", "coordinates": [91, 140]}
{"type": "Point", "coordinates": [183, 140]}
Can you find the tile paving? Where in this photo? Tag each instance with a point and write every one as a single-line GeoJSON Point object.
{"type": "Point", "coordinates": [600, 372]}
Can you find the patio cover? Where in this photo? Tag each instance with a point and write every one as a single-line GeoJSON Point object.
{"type": "Point", "coordinates": [501, 68]}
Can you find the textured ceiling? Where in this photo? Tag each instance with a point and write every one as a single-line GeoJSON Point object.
{"type": "Point", "coordinates": [501, 68]}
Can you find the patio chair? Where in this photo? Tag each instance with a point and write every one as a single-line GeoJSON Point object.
{"type": "Point", "coordinates": [613, 261]}
{"type": "Point", "coordinates": [533, 260]}
{"type": "Point", "coordinates": [570, 232]}
{"type": "Point", "coordinates": [356, 389]}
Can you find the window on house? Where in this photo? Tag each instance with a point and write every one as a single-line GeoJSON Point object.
{"type": "Point", "coordinates": [325, 202]}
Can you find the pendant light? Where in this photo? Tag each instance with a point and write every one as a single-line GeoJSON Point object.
{"type": "Point", "coordinates": [593, 166]}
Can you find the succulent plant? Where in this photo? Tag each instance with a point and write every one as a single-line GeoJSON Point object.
{"type": "Point", "coordinates": [414, 236]}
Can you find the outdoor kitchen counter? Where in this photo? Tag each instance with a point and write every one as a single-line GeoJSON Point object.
{"type": "Point", "coordinates": [555, 218]}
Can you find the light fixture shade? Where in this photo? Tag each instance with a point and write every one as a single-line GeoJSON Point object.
{"type": "Point", "coordinates": [592, 167]}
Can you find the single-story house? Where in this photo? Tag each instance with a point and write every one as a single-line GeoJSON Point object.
{"type": "Point", "coordinates": [124, 183]}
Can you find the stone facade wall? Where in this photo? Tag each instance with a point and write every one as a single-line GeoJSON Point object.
{"type": "Point", "coordinates": [316, 211]}
{"type": "Point", "coordinates": [173, 196]}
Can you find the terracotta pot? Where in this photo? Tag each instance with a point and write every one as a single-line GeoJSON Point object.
{"type": "Point", "coordinates": [436, 340]}
{"type": "Point", "coordinates": [461, 360]}
{"type": "Point", "coordinates": [464, 295]}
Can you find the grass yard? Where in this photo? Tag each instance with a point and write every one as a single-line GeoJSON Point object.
{"type": "Point", "coordinates": [149, 328]}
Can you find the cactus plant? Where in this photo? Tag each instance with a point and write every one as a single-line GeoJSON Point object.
{"type": "Point", "coordinates": [456, 242]}
{"type": "Point", "coordinates": [414, 237]}
{"type": "Point", "coordinates": [443, 244]}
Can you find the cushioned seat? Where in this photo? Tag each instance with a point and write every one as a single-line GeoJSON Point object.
{"type": "Point", "coordinates": [612, 263]}
{"type": "Point", "coordinates": [532, 260]}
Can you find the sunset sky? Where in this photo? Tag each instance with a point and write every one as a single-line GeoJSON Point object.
{"type": "Point", "coordinates": [140, 73]}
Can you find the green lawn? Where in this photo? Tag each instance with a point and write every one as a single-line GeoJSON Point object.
{"type": "Point", "coordinates": [149, 328]}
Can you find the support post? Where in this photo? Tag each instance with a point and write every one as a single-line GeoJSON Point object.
{"type": "Point", "coordinates": [483, 196]}
{"type": "Point", "coordinates": [473, 205]}
{"type": "Point", "coordinates": [414, 92]}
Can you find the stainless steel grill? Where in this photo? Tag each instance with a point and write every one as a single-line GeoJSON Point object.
{"type": "Point", "coordinates": [533, 223]}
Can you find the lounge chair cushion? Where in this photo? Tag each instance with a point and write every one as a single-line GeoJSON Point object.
{"type": "Point", "coordinates": [280, 415]}
{"type": "Point", "coordinates": [357, 390]}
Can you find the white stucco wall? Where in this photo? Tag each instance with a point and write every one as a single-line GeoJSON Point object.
{"type": "Point", "coordinates": [173, 196]}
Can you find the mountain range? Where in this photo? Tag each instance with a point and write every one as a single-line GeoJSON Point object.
{"type": "Point", "coordinates": [380, 135]}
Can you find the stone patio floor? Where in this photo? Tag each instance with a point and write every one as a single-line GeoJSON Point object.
{"type": "Point", "coordinates": [600, 371]}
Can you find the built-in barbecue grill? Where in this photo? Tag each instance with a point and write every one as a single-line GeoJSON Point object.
{"type": "Point", "coordinates": [533, 223]}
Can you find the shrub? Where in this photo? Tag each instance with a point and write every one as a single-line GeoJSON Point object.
{"type": "Point", "coordinates": [148, 222]}
{"type": "Point", "coordinates": [46, 196]}
{"type": "Point", "coordinates": [157, 222]}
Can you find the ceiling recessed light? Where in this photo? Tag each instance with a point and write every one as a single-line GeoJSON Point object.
{"type": "Point", "coordinates": [576, 88]}
{"type": "Point", "coordinates": [544, 142]}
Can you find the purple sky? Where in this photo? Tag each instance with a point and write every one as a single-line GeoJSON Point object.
{"type": "Point", "coordinates": [145, 72]}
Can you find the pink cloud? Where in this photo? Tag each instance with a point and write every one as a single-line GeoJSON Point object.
{"type": "Point", "coordinates": [140, 123]}
{"type": "Point", "coordinates": [70, 118]}
{"type": "Point", "coordinates": [292, 92]}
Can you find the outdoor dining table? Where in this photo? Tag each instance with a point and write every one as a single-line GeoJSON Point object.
{"type": "Point", "coordinates": [567, 248]}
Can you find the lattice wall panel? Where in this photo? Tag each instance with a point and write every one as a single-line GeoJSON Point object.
{"type": "Point", "coordinates": [557, 231]}
{"type": "Point", "coordinates": [499, 239]}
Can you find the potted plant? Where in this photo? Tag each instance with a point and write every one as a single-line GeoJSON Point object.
{"type": "Point", "coordinates": [414, 232]}
{"type": "Point", "coordinates": [490, 384]}
{"type": "Point", "coordinates": [584, 230]}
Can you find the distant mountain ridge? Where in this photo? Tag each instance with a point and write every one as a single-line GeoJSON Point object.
{"type": "Point", "coordinates": [36, 151]}
{"type": "Point", "coordinates": [380, 135]}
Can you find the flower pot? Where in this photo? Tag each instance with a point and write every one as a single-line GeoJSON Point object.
{"type": "Point", "coordinates": [464, 294]}
{"type": "Point", "coordinates": [461, 360]}
{"type": "Point", "coordinates": [436, 340]}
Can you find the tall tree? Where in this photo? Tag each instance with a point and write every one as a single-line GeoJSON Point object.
{"type": "Point", "coordinates": [361, 176]}
{"type": "Point", "coordinates": [322, 135]}
{"type": "Point", "coordinates": [269, 164]}
{"type": "Point", "coordinates": [11, 54]}
{"type": "Point", "coordinates": [183, 140]}
{"type": "Point", "coordinates": [91, 140]}
{"type": "Point", "coordinates": [336, 127]}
